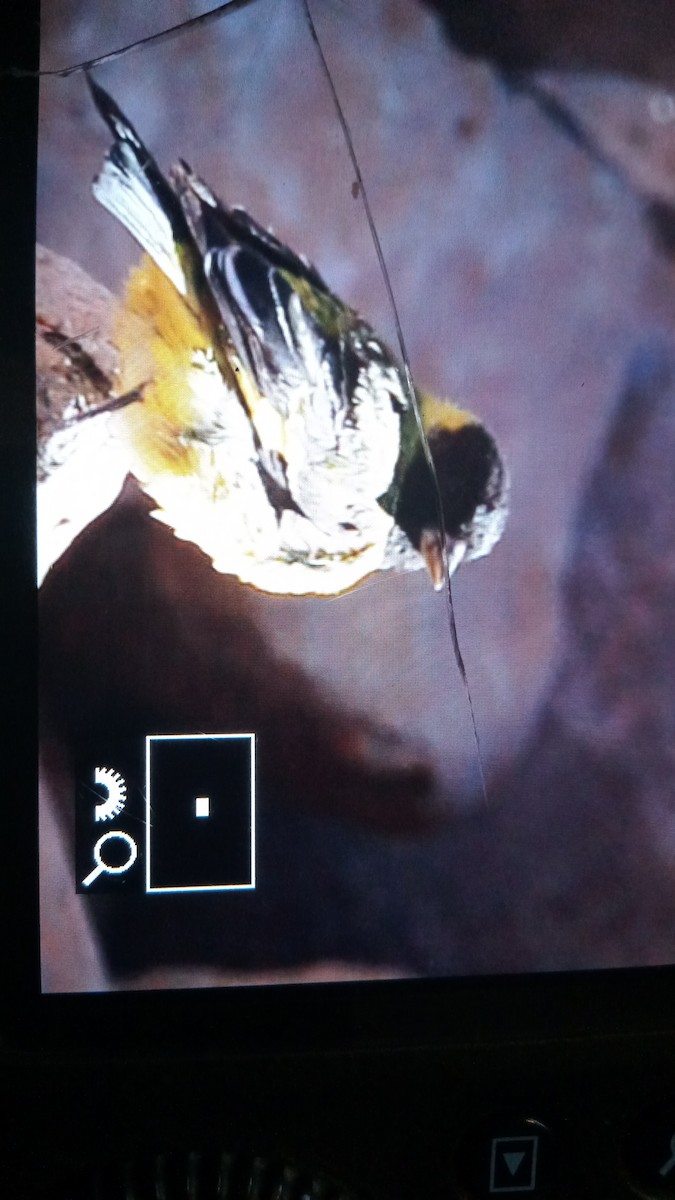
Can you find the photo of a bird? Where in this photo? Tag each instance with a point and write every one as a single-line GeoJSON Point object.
{"type": "Point", "coordinates": [267, 421]}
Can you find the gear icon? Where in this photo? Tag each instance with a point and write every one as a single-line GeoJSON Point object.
{"type": "Point", "coordinates": [116, 788]}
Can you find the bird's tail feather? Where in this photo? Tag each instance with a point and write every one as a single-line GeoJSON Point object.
{"type": "Point", "coordinates": [132, 188]}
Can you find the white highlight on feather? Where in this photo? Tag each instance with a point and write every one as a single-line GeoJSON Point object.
{"type": "Point", "coordinates": [125, 193]}
{"type": "Point", "coordinates": [93, 468]}
{"type": "Point", "coordinates": [242, 537]}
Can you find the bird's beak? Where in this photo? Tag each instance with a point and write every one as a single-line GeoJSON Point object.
{"type": "Point", "coordinates": [431, 549]}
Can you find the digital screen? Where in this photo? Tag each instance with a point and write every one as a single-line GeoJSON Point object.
{"type": "Point", "coordinates": [356, 430]}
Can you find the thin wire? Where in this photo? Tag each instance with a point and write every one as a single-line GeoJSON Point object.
{"type": "Point", "coordinates": [412, 395]}
{"type": "Point", "coordinates": [201, 20]}
{"type": "Point", "coordinates": [152, 38]}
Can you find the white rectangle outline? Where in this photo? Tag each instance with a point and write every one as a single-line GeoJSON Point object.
{"type": "Point", "coordinates": [531, 1186]}
{"type": "Point", "coordinates": [194, 737]}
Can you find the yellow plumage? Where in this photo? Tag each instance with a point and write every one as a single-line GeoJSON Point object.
{"type": "Point", "coordinates": [165, 348]}
{"type": "Point", "coordinates": [159, 339]}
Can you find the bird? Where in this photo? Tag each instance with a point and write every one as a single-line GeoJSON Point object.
{"type": "Point", "coordinates": [268, 422]}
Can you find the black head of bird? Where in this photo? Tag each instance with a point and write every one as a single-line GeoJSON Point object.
{"type": "Point", "coordinates": [452, 497]}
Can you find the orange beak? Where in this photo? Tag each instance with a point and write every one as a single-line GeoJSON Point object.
{"type": "Point", "coordinates": [431, 549]}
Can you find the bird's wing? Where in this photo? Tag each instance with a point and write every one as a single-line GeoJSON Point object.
{"type": "Point", "coordinates": [214, 224]}
{"type": "Point", "coordinates": [328, 394]}
{"type": "Point", "coordinates": [325, 394]}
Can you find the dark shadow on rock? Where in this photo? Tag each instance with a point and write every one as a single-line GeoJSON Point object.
{"type": "Point", "coordinates": [587, 816]}
{"type": "Point", "coordinates": [140, 634]}
{"type": "Point", "coordinates": [623, 36]}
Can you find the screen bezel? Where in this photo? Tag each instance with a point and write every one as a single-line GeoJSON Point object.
{"type": "Point", "coordinates": [254, 1019]}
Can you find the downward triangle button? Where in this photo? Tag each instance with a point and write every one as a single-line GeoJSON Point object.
{"type": "Point", "coordinates": [513, 1160]}
{"type": "Point", "coordinates": [514, 1164]}
{"type": "Point", "coordinates": [506, 1157]}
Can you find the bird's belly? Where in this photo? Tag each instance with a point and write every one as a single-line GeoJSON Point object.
{"type": "Point", "coordinates": [234, 524]}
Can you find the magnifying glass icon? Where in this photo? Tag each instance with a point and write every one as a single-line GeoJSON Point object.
{"type": "Point", "coordinates": [111, 868]}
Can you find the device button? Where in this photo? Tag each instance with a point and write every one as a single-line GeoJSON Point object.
{"type": "Point", "coordinates": [649, 1154]}
{"type": "Point", "coordinates": [505, 1156]}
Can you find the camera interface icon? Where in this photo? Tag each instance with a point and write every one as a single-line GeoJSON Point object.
{"type": "Point", "coordinates": [103, 864]}
{"type": "Point", "coordinates": [106, 858]}
{"type": "Point", "coordinates": [185, 823]}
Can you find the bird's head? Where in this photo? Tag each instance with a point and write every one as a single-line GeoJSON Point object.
{"type": "Point", "coordinates": [470, 486]}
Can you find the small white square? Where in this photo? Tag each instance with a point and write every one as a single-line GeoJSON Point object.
{"type": "Point", "coordinates": [202, 806]}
